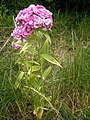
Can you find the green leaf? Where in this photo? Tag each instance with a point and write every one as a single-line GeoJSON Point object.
{"type": "Point", "coordinates": [21, 44]}
{"type": "Point", "coordinates": [50, 59]}
{"type": "Point", "coordinates": [26, 46]}
{"type": "Point", "coordinates": [34, 62]}
{"type": "Point", "coordinates": [17, 84]}
{"type": "Point", "coordinates": [20, 76]}
{"type": "Point", "coordinates": [46, 35]}
{"type": "Point", "coordinates": [46, 73]}
{"type": "Point", "coordinates": [35, 68]}
{"type": "Point", "coordinates": [31, 50]}
{"type": "Point", "coordinates": [29, 71]}
{"type": "Point", "coordinates": [45, 47]}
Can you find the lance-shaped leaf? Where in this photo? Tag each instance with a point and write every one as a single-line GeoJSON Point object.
{"type": "Point", "coordinates": [46, 35]}
{"type": "Point", "coordinates": [20, 76]}
{"type": "Point", "coordinates": [46, 73]}
{"type": "Point", "coordinates": [35, 68]}
{"type": "Point", "coordinates": [45, 47]}
{"type": "Point", "coordinates": [50, 59]}
{"type": "Point", "coordinates": [31, 50]}
{"type": "Point", "coordinates": [26, 46]}
{"type": "Point", "coordinates": [34, 62]}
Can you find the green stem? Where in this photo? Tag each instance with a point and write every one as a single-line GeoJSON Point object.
{"type": "Point", "coordinates": [38, 48]}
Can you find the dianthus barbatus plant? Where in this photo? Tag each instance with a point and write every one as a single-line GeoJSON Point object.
{"type": "Point", "coordinates": [32, 39]}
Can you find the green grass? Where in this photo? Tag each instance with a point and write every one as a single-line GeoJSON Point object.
{"type": "Point", "coordinates": [69, 86]}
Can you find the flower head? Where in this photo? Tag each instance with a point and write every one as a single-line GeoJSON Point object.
{"type": "Point", "coordinates": [29, 19]}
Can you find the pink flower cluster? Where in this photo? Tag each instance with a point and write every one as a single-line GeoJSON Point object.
{"type": "Point", "coordinates": [29, 19]}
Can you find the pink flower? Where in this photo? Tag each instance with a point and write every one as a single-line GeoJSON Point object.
{"type": "Point", "coordinates": [30, 21]}
{"type": "Point", "coordinates": [24, 14]}
{"type": "Point", "coordinates": [17, 32]}
{"type": "Point", "coordinates": [24, 40]}
{"type": "Point", "coordinates": [39, 10]}
{"type": "Point", "coordinates": [27, 30]}
{"type": "Point", "coordinates": [42, 11]}
{"type": "Point", "coordinates": [47, 14]}
{"type": "Point", "coordinates": [31, 8]}
{"type": "Point", "coordinates": [48, 23]}
{"type": "Point", "coordinates": [38, 21]}
{"type": "Point", "coordinates": [20, 22]}
{"type": "Point", "coordinates": [16, 44]}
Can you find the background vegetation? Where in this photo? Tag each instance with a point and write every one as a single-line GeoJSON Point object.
{"type": "Point", "coordinates": [69, 87]}
{"type": "Point", "coordinates": [13, 6]}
